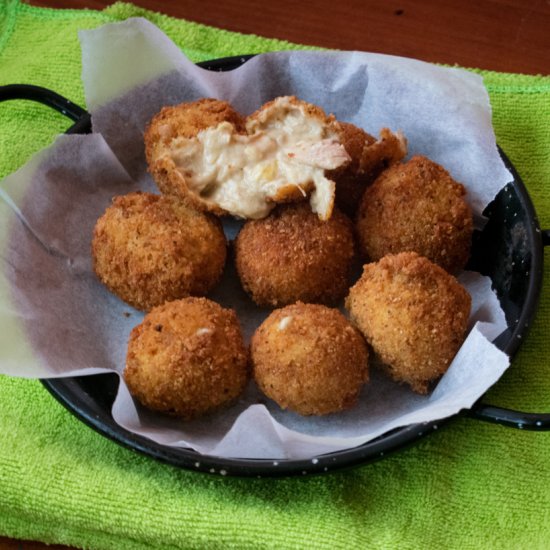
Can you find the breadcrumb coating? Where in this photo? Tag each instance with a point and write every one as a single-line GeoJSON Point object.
{"type": "Point", "coordinates": [414, 315]}
{"type": "Point", "coordinates": [292, 255]}
{"type": "Point", "coordinates": [187, 358]}
{"type": "Point", "coordinates": [149, 249]}
{"type": "Point", "coordinates": [309, 359]}
{"type": "Point", "coordinates": [416, 206]}
{"type": "Point", "coordinates": [369, 157]}
{"type": "Point", "coordinates": [186, 120]}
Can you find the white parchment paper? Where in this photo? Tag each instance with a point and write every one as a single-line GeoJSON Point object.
{"type": "Point", "coordinates": [56, 319]}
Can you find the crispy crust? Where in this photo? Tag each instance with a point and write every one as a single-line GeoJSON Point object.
{"type": "Point", "coordinates": [369, 157]}
{"type": "Point", "coordinates": [292, 255]}
{"type": "Point", "coordinates": [291, 193]}
{"type": "Point", "coordinates": [309, 359]}
{"type": "Point", "coordinates": [416, 206]}
{"type": "Point", "coordinates": [186, 120]}
{"type": "Point", "coordinates": [187, 358]}
{"type": "Point", "coordinates": [148, 249]}
{"type": "Point", "coordinates": [261, 116]}
{"type": "Point", "coordinates": [388, 149]}
{"type": "Point", "coordinates": [414, 315]}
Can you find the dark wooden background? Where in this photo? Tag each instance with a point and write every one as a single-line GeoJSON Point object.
{"type": "Point", "coordinates": [500, 35]}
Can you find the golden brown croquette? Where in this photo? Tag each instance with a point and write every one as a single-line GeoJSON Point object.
{"type": "Point", "coordinates": [187, 358]}
{"type": "Point", "coordinates": [416, 206]}
{"type": "Point", "coordinates": [414, 315]}
{"type": "Point", "coordinates": [309, 359]}
{"type": "Point", "coordinates": [292, 255]}
{"type": "Point", "coordinates": [149, 249]}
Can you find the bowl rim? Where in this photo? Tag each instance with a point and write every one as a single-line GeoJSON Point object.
{"type": "Point", "coordinates": [70, 394]}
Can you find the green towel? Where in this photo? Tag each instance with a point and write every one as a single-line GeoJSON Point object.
{"type": "Point", "coordinates": [469, 485]}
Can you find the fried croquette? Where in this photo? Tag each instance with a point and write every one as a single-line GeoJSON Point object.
{"type": "Point", "coordinates": [292, 255]}
{"type": "Point", "coordinates": [414, 315]}
{"type": "Point", "coordinates": [149, 249]}
{"type": "Point", "coordinates": [279, 154]}
{"type": "Point", "coordinates": [369, 157]}
{"type": "Point", "coordinates": [187, 358]}
{"type": "Point", "coordinates": [309, 359]}
{"type": "Point", "coordinates": [416, 206]}
{"type": "Point", "coordinates": [179, 123]}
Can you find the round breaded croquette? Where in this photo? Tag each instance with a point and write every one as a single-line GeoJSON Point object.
{"type": "Point", "coordinates": [292, 255]}
{"type": "Point", "coordinates": [187, 358]}
{"type": "Point", "coordinates": [149, 249]}
{"type": "Point", "coordinates": [369, 157]}
{"type": "Point", "coordinates": [182, 121]}
{"type": "Point", "coordinates": [414, 315]}
{"type": "Point", "coordinates": [309, 359]}
{"type": "Point", "coordinates": [416, 206]}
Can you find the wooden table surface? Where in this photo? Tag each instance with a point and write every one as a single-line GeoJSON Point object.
{"type": "Point", "coordinates": [500, 35]}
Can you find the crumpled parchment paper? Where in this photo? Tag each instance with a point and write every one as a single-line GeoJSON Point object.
{"type": "Point", "coordinates": [57, 320]}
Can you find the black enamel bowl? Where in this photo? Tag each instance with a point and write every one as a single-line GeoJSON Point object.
{"type": "Point", "coordinates": [509, 250]}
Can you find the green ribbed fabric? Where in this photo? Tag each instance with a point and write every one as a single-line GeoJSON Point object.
{"type": "Point", "coordinates": [467, 486]}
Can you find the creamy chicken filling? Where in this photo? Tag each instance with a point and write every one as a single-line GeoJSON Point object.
{"type": "Point", "coordinates": [285, 150]}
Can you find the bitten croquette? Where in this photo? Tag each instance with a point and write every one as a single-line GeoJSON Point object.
{"type": "Point", "coordinates": [149, 249]}
{"type": "Point", "coordinates": [293, 256]}
{"type": "Point", "coordinates": [184, 121]}
{"type": "Point", "coordinates": [205, 152]}
{"type": "Point", "coordinates": [309, 359]}
{"type": "Point", "coordinates": [187, 358]}
{"type": "Point", "coordinates": [416, 206]}
{"type": "Point", "coordinates": [414, 315]}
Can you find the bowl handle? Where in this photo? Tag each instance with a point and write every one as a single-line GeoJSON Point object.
{"type": "Point", "coordinates": [508, 417]}
{"type": "Point", "coordinates": [81, 117]}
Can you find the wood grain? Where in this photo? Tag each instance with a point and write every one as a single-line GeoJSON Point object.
{"type": "Point", "coordinates": [500, 35]}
